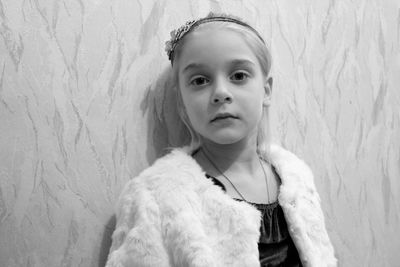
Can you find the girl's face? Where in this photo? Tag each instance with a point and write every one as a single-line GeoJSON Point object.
{"type": "Point", "coordinates": [222, 86]}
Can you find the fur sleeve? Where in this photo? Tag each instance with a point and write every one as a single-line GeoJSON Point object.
{"type": "Point", "coordinates": [137, 239]}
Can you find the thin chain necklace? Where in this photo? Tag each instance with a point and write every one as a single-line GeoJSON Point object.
{"type": "Point", "coordinates": [226, 177]}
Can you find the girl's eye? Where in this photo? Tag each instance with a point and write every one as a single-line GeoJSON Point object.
{"type": "Point", "coordinates": [239, 76]}
{"type": "Point", "coordinates": [199, 81]}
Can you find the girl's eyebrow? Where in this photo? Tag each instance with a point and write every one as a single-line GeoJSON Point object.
{"type": "Point", "coordinates": [192, 66]}
{"type": "Point", "coordinates": [235, 62]}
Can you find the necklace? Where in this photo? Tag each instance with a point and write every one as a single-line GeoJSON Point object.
{"type": "Point", "coordinates": [226, 177]}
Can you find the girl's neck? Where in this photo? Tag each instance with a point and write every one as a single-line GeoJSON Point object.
{"type": "Point", "coordinates": [240, 155]}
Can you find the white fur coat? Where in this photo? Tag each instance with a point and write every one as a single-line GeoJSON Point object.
{"type": "Point", "coordinates": [171, 215]}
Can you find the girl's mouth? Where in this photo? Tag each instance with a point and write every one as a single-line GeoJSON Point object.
{"type": "Point", "coordinates": [223, 116]}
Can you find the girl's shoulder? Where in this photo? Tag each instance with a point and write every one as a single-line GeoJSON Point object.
{"type": "Point", "coordinates": [172, 166]}
{"type": "Point", "coordinates": [173, 169]}
{"type": "Point", "coordinates": [290, 168]}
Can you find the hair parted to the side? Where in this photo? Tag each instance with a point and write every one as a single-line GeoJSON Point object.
{"type": "Point", "coordinates": [260, 50]}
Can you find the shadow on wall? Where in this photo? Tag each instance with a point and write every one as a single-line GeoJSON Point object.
{"type": "Point", "coordinates": [165, 131]}
{"type": "Point", "coordinates": [106, 241]}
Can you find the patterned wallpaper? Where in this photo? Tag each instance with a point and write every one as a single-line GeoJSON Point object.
{"type": "Point", "coordinates": [82, 110]}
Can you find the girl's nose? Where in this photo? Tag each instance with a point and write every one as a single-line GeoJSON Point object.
{"type": "Point", "coordinates": [221, 94]}
{"type": "Point", "coordinates": [220, 100]}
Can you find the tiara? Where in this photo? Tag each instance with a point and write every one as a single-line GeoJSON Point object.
{"type": "Point", "coordinates": [177, 35]}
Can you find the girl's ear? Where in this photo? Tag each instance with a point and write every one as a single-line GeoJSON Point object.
{"type": "Point", "coordinates": [268, 91]}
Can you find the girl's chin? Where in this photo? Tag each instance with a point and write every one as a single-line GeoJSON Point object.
{"type": "Point", "coordinates": [229, 136]}
{"type": "Point", "coordinates": [223, 139]}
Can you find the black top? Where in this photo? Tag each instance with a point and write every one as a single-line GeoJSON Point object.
{"type": "Point", "coordinates": [275, 245]}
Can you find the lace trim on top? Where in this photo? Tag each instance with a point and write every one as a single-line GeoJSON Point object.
{"type": "Point", "coordinates": [273, 226]}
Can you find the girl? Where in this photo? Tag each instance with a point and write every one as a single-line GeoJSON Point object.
{"type": "Point", "coordinates": [230, 198]}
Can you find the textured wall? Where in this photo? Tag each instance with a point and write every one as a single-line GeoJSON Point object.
{"type": "Point", "coordinates": [79, 85]}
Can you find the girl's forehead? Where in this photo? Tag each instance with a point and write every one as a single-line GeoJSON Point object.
{"type": "Point", "coordinates": [212, 37]}
{"type": "Point", "coordinates": [214, 46]}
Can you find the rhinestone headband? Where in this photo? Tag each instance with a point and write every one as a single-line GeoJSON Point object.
{"type": "Point", "coordinates": [177, 35]}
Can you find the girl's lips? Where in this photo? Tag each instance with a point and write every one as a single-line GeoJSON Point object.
{"type": "Point", "coordinates": [223, 116]}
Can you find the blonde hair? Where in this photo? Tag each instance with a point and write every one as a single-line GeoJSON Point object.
{"type": "Point", "coordinates": [262, 54]}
